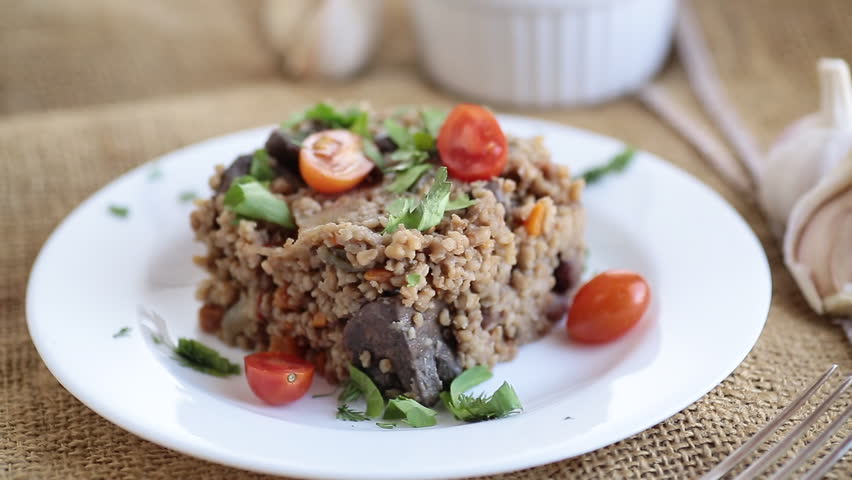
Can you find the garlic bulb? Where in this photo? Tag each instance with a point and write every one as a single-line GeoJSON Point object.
{"type": "Point", "coordinates": [810, 148]}
{"type": "Point", "coordinates": [322, 38]}
{"type": "Point", "coordinates": [818, 242]}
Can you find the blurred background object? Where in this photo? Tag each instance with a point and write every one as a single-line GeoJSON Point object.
{"type": "Point", "coordinates": [543, 53]}
{"type": "Point", "coordinates": [322, 38]}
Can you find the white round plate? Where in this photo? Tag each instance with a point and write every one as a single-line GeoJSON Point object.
{"type": "Point", "coordinates": [97, 269]}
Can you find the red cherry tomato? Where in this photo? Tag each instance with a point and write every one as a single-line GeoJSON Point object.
{"type": "Point", "coordinates": [608, 306]}
{"type": "Point", "coordinates": [471, 144]}
{"type": "Point", "coordinates": [278, 378]}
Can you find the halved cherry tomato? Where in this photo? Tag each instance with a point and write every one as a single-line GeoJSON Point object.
{"type": "Point", "coordinates": [332, 161]}
{"type": "Point", "coordinates": [608, 306]}
{"type": "Point", "coordinates": [471, 144]}
{"type": "Point", "coordinates": [278, 378]}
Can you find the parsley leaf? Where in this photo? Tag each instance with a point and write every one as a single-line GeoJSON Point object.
{"type": "Point", "coordinates": [413, 279]}
{"type": "Point", "coordinates": [399, 134]}
{"type": "Point", "coordinates": [247, 197]}
{"type": "Point", "coordinates": [423, 141]}
{"type": "Point", "coordinates": [361, 124]}
{"type": "Point", "coordinates": [617, 164]}
{"type": "Point", "coordinates": [123, 332]}
{"type": "Point", "coordinates": [460, 202]}
{"type": "Point", "coordinates": [411, 412]}
{"type": "Point", "coordinates": [375, 402]}
{"type": "Point", "coordinates": [427, 213]}
{"type": "Point", "coordinates": [408, 177]}
{"type": "Point", "coordinates": [386, 425]}
{"type": "Point", "coordinates": [406, 157]}
{"type": "Point", "coordinates": [347, 414]}
{"type": "Point", "coordinates": [119, 211]}
{"type": "Point", "coordinates": [261, 169]}
{"type": "Point", "coordinates": [372, 152]}
{"type": "Point", "coordinates": [433, 120]}
{"type": "Point", "coordinates": [196, 355]}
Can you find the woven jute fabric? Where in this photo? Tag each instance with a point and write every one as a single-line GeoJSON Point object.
{"type": "Point", "coordinates": [60, 142]}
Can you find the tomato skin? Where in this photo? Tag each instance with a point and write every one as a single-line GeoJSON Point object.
{"type": "Point", "coordinates": [471, 144]}
{"type": "Point", "coordinates": [608, 306]}
{"type": "Point", "coordinates": [333, 161]}
{"type": "Point", "coordinates": [278, 378]}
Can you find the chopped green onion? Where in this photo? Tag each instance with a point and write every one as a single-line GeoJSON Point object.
{"type": "Point", "coordinates": [120, 211]}
{"type": "Point", "coordinates": [261, 168]}
{"type": "Point", "coordinates": [413, 279]}
{"type": "Point", "coordinates": [411, 412]}
{"type": "Point", "coordinates": [250, 199]}
{"type": "Point", "coordinates": [375, 402]}
{"type": "Point", "coordinates": [469, 379]}
{"type": "Point", "coordinates": [196, 355]}
{"type": "Point", "coordinates": [617, 164]}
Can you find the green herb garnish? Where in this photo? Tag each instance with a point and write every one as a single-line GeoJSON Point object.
{"type": "Point", "coordinates": [387, 425]}
{"type": "Point", "coordinates": [408, 177]}
{"type": "Point", "coordinates": [349, 415]}
{"type": "Point", "coordinates": [427, 213]}
{"type": "Point", "coordinates": [122, 332]}
{"type": "Point", "coordinates": [361, 124]}
{"type": "Point", "coordinates": [399, 134]}
{"type": "Point", "coordinates": [468, 379]}
{"type": "Point", "coordinates": [187, 196]}
{"type": "Point", "coordinates": [261, 167]}
{"type": "Point", "coordinates": [372, 152]}
{"type": "Point", "coordinates": [461, 202]}
{"type": "Point", "coordinates": [433, 120]}
{"type": "Point", "coordinates": [468, 408]}
{"type": "Point", "coordinates": [413, 279]}
{"type": "Point", "coordinates": [196, 355]}
{"type": "Point", "coordinates": [411, 412]}
{"type": "Point", "coordinates": [155, 173]}
{"type": "Point", "coordinates": [251, 200]}
{"type": "Point", "coordinates": [617, 164]}
{"type": "Point", "coordinates": [120, 211]}
{"type": "Point", "coordinates": [350, 392]}
{"type": "Point", "coordinates": [375, 402]}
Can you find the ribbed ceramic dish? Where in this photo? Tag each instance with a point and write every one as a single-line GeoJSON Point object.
{"type": "Point", "coordinates": [543, 53]}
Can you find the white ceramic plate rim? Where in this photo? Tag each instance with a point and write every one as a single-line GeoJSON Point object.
{"type": "Point", "coordinates": [550, 447]}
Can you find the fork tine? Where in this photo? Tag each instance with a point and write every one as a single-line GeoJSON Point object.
{"type": "Point", "coordinates": [773, 453]}
{"type": "Point", "coordinates": [748, 447]}
{"type": "Point", "coordinates": [826, 463]}
{"type": "Point", "coordinates": [814, 446]}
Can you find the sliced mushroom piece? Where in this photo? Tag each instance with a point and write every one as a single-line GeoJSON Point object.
{"type": "Point", "coordinates": [421, 362]}
{"type": "Point", "coordinates": [237, 169]}
{"type": "Point", "coordinates": [285, 150]}
{"type": "Point", "coordinates": [567, 274]}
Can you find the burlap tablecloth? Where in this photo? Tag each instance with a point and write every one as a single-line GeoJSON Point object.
{"type": "Point", "coordinates": [90, 89]}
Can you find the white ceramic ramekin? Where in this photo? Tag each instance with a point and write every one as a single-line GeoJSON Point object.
{"type": "Point", "coordinates": [543, 53]}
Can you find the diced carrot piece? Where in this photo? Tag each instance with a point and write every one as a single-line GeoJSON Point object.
{"type": "Point", "coordinates": [285, 344]}
{"type": "Point", "coordinates": [535, 221]}
{"type": "Point", "coordinates": [319, 320]}
{"type": "Point", "coordinates": [210, 317]}
{"type": "Point", "coordinates": [378, 275]}
{"type": "Point", "coordinates": [280, 299]}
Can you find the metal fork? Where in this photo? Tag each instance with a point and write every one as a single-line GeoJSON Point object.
{"type": "Point", "coordinates": [761, 463]}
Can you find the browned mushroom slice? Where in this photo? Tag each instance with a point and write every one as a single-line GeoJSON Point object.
{"type": "Point", "coordinates": [401, 349]}
{"type": "Point", "coordinates": [237, 169]}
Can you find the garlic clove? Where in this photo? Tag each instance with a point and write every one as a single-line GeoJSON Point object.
{"type": "Point", "coordinates": [323, 38]}
{"type": "Point", "coordinates": [810, 148]}
{"type": "Point", "coordinates": [818, 242]}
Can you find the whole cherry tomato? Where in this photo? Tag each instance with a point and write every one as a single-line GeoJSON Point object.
{"type": "Point", "coordinates": [471, 144]}
{"type": "Point", "coordinates": [608, 306]}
